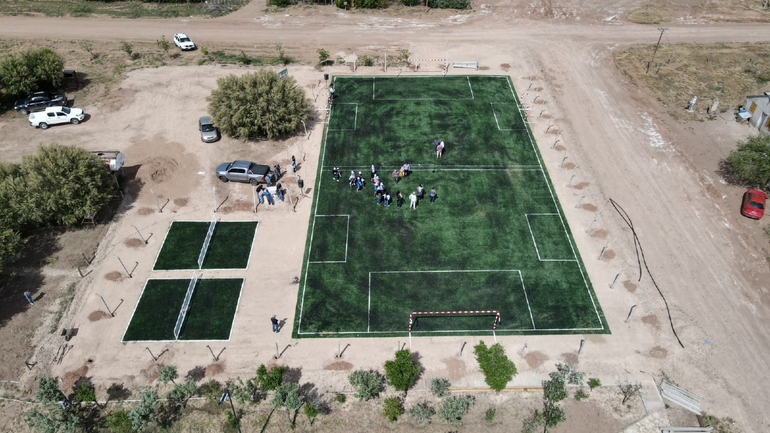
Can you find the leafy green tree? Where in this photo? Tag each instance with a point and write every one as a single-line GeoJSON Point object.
{"type": "Point", "coordinates": [54, 420]}
{"type": "Point", "coordinates": [119, 421]}
{"type": "Point", "coordinates": [439, 387]}
{"type": "Point", "coordinates": [311, 411]}
{"type": "Point", "coordinates": [497, 368]}
{"type": "Point", "coordinates": [31, 70]}
{"type": "Point", "coordinates": [368, 384]}
{"type": "Point", "coordinates": [391, 409]}
{"type": "Point", "coordinates": [258, 105]}
{"type": "Point", "coordinates": [749, 163]}
{"type": "Point", "coordinates": [182, 392]}
{"type": "Point", "coordinates": [270, 380]}
{"type": "Point", "coordinates": [453, 409]}
{"type": "Point", "coordinates": [145, 411]}
{"type": "Point", "coordinates": [48, 390]}
{"type": "Point", "coordinates": [85, 393]}
{"type": "Point", "coordinates": [167, 373]}
{"type": "Point", "coordinates": [287, 396]}
{"type": "Point", "coordinates": [9, 246]}
{"type": "Point", "coordinates": [244, 392]}
{"type": "Point", "coordinates": [402, 372]}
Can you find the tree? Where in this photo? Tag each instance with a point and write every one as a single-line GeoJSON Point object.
{"type": "Point", "coordinates": [31, 70]}
{"type": "Point", "coordinates": [323, 56]}
{"type": "Point", "coordinates": [311, 411]}
{"type": "Point", "coordinates": [421, 413]}
{"type": "Point", "coordinates": [497, 368]}
{"type": "Point", "coordinates": [167, 373]}
{"type": "Point", "coordinates": [144, 412]}
{"type": "Point", "coordinates": [9, 246]}
{"type": "Point", "coordinates": [48, 390]}
{"type": "Point", "coordinates": [402, 372]}
{"type": "Point", "coordinates": [85, 393]}
{"type": "Point", "coordinates": [629, 390]}
{"type": "Point", "coordinates": [287, 396]}
{"type": "Point", "coordinates": [270, 380]}
{"type": "Point", "coordinates": [258, 105]}
{"type": "Point", "coordinates": [749, 163]}
{"type": "Point", "coordinates": [54, 420]}
{"type": "Point", "coordinates": [119, 421]}
{"type": "Point", "coordinates": [391, 409]}
{"type": "Point", "coordinates": [368, 384]}
{"type": "Point", "coordinates": [182, 392]}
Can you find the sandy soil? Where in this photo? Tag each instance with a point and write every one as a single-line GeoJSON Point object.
{"type": "Point", "coordinates": [708, 261]}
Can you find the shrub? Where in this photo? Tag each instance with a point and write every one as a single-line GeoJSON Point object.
{"type": "Point", "coordinates": [211, 390]}
{"type": "Point", "coordinates": [127, 48]}
{"type": "Point", "coordinates": [497, 368]}
{"type": "Point", "coordinates": [144, 412]}
{"type": "Point", "coordinates": [244, 392]}
{"type": "Point", "coordinates": [580, 394]}
{"type": "Point", "coordinates": [365, 61]}
{"type": "Point", "coordinates": [570, 375]}
{"type": "Point", "coordinates": [368, 384]}
{"type": "Point", "coordinates": [402, 372]}
{"type": "Point", "coordinates": [9, 246]}
{"type": "Point", "coordinates": [323, 55]}
{"type": "Point", "coordinates": [30, 71]}
{"type": "Point", "coordinates": [48, 390]}
{"type": "Point", "coordinates": [392, 408]}
{"type": "Point", "coordinates": [411, 2]}
{"type": "Point", "coordinates": [364, 4]}
{"type": "Point", "coordinates": [749, 163]}
{"type": "Point", "coordinates": [439, 387]}
{"type": "Point", "coordinates": [182, 392]}
{"type": "Point", "coordinates": [167, 373]}
{"type": "Point", "coordinates": [340, 397]}
{"type": "Point", "coordinates": [311, 411]}
{"type": "Point", "coordinates": [119, 422]}
{"type": "Point", "coordinates": [489, 415]}
{"type": "Point", "coordinates": [52, 419]}
{"type": "Point", "coordinates": [257, 105]}
{"type": "Point", "coordinates": [163, 44]}
{"type": "Point", "coordinates": [421, 413]}
{"type": "Point", "coordinates": [453, 409]}
{"type": "Point", "coordinates": [594, 383]}
{"type": "Point", "coordinates": [449, 4]}
{"type": "Point", "coordinates": [287, 396]}
{"type": "Point", "coordinates": [85, 393]}
{"type": "Point", "coordinates": [270, 380]}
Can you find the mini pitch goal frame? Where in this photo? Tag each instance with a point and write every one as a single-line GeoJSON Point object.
{"type": "Point", "coordinates": [413, 318]}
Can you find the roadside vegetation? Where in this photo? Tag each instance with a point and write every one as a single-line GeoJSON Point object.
{"type": "Point", "coordinates": [749, 164]}
{"type": "Point", "coordinates": [121, 8]}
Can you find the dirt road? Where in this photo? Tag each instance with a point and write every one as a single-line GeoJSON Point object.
{"type": "Point", "coordinates": [708, 261]}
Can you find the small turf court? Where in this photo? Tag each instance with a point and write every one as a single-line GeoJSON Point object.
{"type": "Point", "coordinates": [495, 239]}
{"type": "Point", "coordinates": [229, 246]}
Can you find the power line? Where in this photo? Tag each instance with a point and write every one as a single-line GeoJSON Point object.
{"type": "Point", "coordinates": [656, 48]}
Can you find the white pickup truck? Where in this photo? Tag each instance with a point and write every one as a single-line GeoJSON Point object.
{"type": "Point", "coordinates": [56, 115]}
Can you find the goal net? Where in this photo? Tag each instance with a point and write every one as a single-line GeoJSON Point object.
{"type": "Point", "coordinates": [415, 314]}
{"type": "Point", "coordinates": [206, 241]}
{"type": "Point", "coordinates": [185, 306]}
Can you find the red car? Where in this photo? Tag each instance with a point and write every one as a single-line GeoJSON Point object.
{"type": "Point", "coordinates": [753, 204]}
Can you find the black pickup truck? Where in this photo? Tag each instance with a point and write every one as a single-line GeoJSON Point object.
{"type": "Point", "coordinates": [39, 101]}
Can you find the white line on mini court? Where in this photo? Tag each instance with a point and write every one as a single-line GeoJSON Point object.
{"type": "Point", "coordinates": [527, 299]}
{"type": "Point", "coordinates": [499, 331]}
{"type": "Point", "coordinates": [253, 241]}
{"type": "Point", "coordinates": [347, 237]}
{"type": "Point", "coordinates": [553, 198]}
{"type": "Point", "coordinates": [470, 87]}
{"type": "Point", "coordinates": [161, 246]}
{"type": "Point", "coordinates": [123, 340]}
{"type": "Point", "coordinates": [430, 167]}
{"type": "Point", "coordinates": [369, 305]}
{"type": "Point", "coordinates": [235, 313]}
{"type": "Point", "coordinates": [251, 249]}
{"type": "Point", "coordinates": [533, 237]}
{"type": "Point", "coordinates": [373, 78]}
{"type": "Point", "coordinates": [495, 114]}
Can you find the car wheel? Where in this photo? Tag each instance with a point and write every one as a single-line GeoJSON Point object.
{"type": "Point", "coordinates": [43, 125]}
{"type": "Point", "coordinates": [253, 182]}
{"type": "Point", "coordinates": [74, 121]}
{"type": "Point", "coordinates": [24, 111]}
{"type": "Point", "coordinates": [223, 179]}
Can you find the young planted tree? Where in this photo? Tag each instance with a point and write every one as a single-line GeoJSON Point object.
{"type": "Point", "coordinates": [167, 373]}
{"type": "Point", "coordinates": [85, 393]}
{"type": "Point", "coordinates": [311, 411]}
{"type": "Point", "coordinates": [391, 409]}
{"type": "Point", "coordinates": [629, 390]}
{"type": "Point", "coordinates": [287, 396]}
{"type": "Point", "coordinates": [368, 384]}
{"type": "Point", "coordinates": [421, 413]}
{"type": "Point", "coordinates": [323, 56]}
{"type": "Point", "coordinates": [749, 164]}
{"type": "Point", "coordinates": [163, 44]}
{"type": "Point", "coordinates": [119, 421]}
{"type": "Point", "coordinates": [48, 390]}
{"type": "Point", "coordinates": [453, 409]}
{"type": "Point", "coordinates": [31, 71]}
{"type": "Point", "coordinates": [258, 105]}
{"type": "Point", "coordinates": [497, 368]}
{"type": "Point", "coordinates": [50, 417]}
{"type": "Point", "coordinates": [145, 411]}
{"type": "Point", "coordinates": [182, 392]}
{"type": "Point", "coordinates": [402, 371]}
{"type": "Point", "coordinates": [270, 380]}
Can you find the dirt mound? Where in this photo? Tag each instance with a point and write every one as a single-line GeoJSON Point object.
{"type": "Point", "coordinates": [658, 352]}
{"type": "Point", "coordinates": [97, 315]}
{"type": "Point", "coordinates": [215, 368]}
{"type": "Point", "coordinates": [113, 276]}
{"type": "Point", "coordinates": [72, 377]}
{"type": "Point", "coordinates": [159, 169]}
{"type": "Point", "coordinates": [535, 359]}
{"type": "Point", "coordinates": [631, 287]}
{"type": "Point", "coordinates": [651, 320]}
{"type": "Point", "coordinates": [133, 243]}
{"type": "Point", "coordinates": [181, 202]}
{"type": "Point", "coordinates": [339, 366]}
{"type": "Point", "coordinates": [456, 368]}
{"type": "Point", "coordinates": [144, 211]}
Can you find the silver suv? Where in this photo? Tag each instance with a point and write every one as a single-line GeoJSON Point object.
{"type": "Point", "coordinates": [209, 133]}
{"type": "Point", "coordinates": [243, 171]}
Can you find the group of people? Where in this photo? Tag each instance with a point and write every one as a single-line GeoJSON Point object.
{"type": "Point", "coordinates": [381, 195]}
{"type": "Point", "coordinates": [264, 194]}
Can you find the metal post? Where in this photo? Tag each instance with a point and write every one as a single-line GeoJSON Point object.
{"type": "Point", "coordinates": [212, 353]}
{"type": "Point", "coordinates": [254, 198]}
{"type": "Point", "coordinates": [462, 346]}
{"type": "Point", "coordinates": [569, 184]}
{"type": "Point", "coordinates": [582, 196]}
{"type": "Point", "coordinates": [140, 235]}
{"type": "Point", "coordinates": [214, 191]}
{"type": "Point", "coordinates": [153, 356]}
{"type": "Point", "coordinates": [227, 396]}
{"type": "Point", "coordinates": [124, 266]}
{"type": "Point", "coordinates": [306, 134]}
{"type": "Point", "coordinates": [617, 277]}
{"type": "Point", "coordinates": [339, 351]}
{"type": "Point", "coordinates": [276, 351]}
{"type": "Point", "coordinates": [541, 112]}
{"type": "Point", "coordinates": [592, 222]}
{"type": "Point", "coordinates": [156, 201]}
{"type": "Point", "coordinates": [312, 91]}
{"type": "Point", "coordinates": [534, 100]}
{"type": "Point", "coordinates": [582, 343]}
{"type": "Point", "coordinates": [554, 143]}
{"type": "Point", "coordinates": [105, 305]}
{"type": "Point", "coordinates": [563, 159]}
{"type": "Point", "coordinates": [631, 313]}
{"type": "Point", "coordinates": [80, 272]}
{"type": "Point", "coordinates": [601, 254]}
{"type": "Point", "coordinates": [521, 352]}
{"type": "Point", "coordinates": [530, 85]}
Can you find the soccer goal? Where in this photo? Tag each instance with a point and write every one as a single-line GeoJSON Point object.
{"type": "Point", "coordinates": [185, 306]}
{"type": "Point", "coordinates": [206, 241]}
{"type": "Point", "coordinates": [415, 314]}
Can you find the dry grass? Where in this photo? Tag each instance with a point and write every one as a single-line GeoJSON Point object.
{"type": "Point", "coordinates": [648, 15]}
{"type": "Point", "coordinates": [727, 72]}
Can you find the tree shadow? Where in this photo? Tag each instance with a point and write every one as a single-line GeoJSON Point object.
{"type": "Point", "coordinates": [117, 391]}
{"type": "Point", "coordinates": [292, 375]}
{"type": "Point", "coordinates": [196, 374]}
{"type": "Point", "coordinates": [416, 357]}
{"type": "Point", "coordinates": [12, 288]}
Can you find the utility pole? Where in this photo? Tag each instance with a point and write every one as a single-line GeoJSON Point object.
{"type": "Point", "coordinates": [656, 48]}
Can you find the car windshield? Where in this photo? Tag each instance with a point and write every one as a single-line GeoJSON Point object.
{"type": "Point", "coordinates": [757, 205]}
{"type": "Point", "coordinates": [184, 39]}
{"type": "Point", "coordinates": [65, 109]}
{"type": "Point", "coordinates": [207, 128]}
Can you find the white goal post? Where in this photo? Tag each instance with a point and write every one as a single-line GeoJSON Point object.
{"type": "Point", "coordinates": [414, 314]}
{"type": "Point", "coordinates": [185, 306]}
{"type": "Point", "coordinates": [206, 241]}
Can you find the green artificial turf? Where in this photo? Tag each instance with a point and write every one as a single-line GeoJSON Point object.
{"type": "Point", "coordinates": [212, 309]}
{"type": "Point", "coordinates": [230, 246]}
{"type": "Point", "coordinates": [489, 183]}
{"type": "Point", "coordinates": [182, 245]}
{"type": "Point", "coordinates": [157, 310]}
{"type": "Point", "coordinates": [209, 316]}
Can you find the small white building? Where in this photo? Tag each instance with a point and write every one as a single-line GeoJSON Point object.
{"type": "Point", "coordinates": [759, 108]}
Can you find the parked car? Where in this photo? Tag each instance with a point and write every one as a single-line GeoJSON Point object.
{"type": "Point", "coordinates": [183, 42]}
{"type": "Point", "coordinates": [243, 171]}
{"type": "Point", "coordinates": [209, 133]}
{"type": "Point", "coordinates": [56, 115]}
{"type": "Point", "coordinates": [39, 101]}
{"type": "Point", "coordinates": [753, 205]}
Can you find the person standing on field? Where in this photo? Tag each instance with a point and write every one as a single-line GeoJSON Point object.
{"type": "Point", "coordinates": [420, 192]}
{"type": "Point", "coordinates": [274, 321]}
{"type": "Point", "coordinates": [386, 198]}
{"type": "Point", "coordinates": [396, 176]}
{"type": "Point", "coordinates": [432, 194]}
{"type": "Point", "coordinates": [28, 297]}
{"type": "Point", "coordinates": [399, 198]}
{"type": "Point", "coordinates": [413, 201]}
{"type": "Point", "coordinates": [440, 149]}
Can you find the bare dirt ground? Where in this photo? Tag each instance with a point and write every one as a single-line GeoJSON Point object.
{"type": "Point", "coordinates": [709, 262]}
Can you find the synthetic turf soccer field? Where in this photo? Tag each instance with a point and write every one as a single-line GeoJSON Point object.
{"type": "Point", "coordinates": [209, 317]}
{"type": "Point", "coordinates": [230, 246]}
{"type": "Point", "coordinates": [495, 239]}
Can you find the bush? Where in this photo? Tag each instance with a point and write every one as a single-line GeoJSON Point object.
{"type": "Point", "coordinates": [365, 61]}
{"type": "Point", "coordinates": [258, 105]}
{"type": "Point", "coordinates": [368, 384]}
{"type": "Point", "coordinates": [392, 408]}
{"type": "Point", "coordinates": [498, 369]}
{"type": "Point", "coordinates": [411, 2]}
{"type": "Point", "coordinates": [270, 380]}
{"type": "Point", "coordinates": [244, 392]}
{"type": "Point", "coordinates": [167, 373]}
{"type": "Point", "coordinates": [580, 394]}
{"type": "Point", "coordinates": [182, 392]}
{"type": "Point", "coordinates": [364, 4]}
{"type": "Point", "coordinates": [340, 397]}
{"type": "Point", "coordinates": [594, 383]}
{"type": "Point", "coordinates": [749, 164]}
{"type": "Point", "coordinates": [9, 246]}
{"type": "Point", "coordinates": [453, 409]}
{"type": "Point", "coordinates": [163, 44]}
{"type": "Point", "coordinates": [48, 390]}
{"type": "Point", "coordinates": [323, 55]}
{"type": "Point", "coordinates": [211, 390]}
{"type": "Point", "coordinates": [489, 415]}
{"type": "Point", "coordinates": [439, 387]}
{"type": "Point", "coordinates": [127, 48]}
{"type": "Point", "coordinates": [449, 4]}
{"type": "Point", "coordinates": [421, 413]}
{"type": "Point", "coordinates": [85, 393]}
{"type": "Point", "coordinates": [31, 71]}
{"type": "Point", "coordinates": [311, 411]}
{"type": "Point", "coordinates": [119, 422]}
{"type": "Point", "coordinates": [144, 412]}
{"type": "Point", "coordinates": [402, 372]}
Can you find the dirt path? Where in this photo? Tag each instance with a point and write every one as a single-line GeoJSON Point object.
{"type": "Point", "coordinates": [707, 260]}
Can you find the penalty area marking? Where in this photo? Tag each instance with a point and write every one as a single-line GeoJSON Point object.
{"type": "Point", "coordinates": [347, 237]}
{"type": "Point", "coordinates": [526, 215]}
{"type": "Point", "coordinates": [355, 119]}
{"type": "Point", "coordinates": [494, 113]}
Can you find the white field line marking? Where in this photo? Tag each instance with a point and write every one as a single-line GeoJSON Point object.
{"type": "Point", "coordinates": [526, 215]}
{"type": "Point", "coordinates": [161, 245]}
{"type": "Point", "coordinates": [137, 304]}
{"type": "Point", "coordinates": [533, 237]}
{"type": "Point", "coordinates": [355, 119]}
{"type": "Point", "coordinates": [369, 313]}
{"type": "Point", "coordinates": [470, 87]}
{"type": "Point", "coordinates": [235, 313]}
{"type": "Point", "coordinates": [315, 210]}
{"type": "Point", "coordinates": [494, 112]}
{"type": "Point", "coordinates": [347, 237]}
{"type": "Point", "coordinates": [427, 99]}
{"type": "Point", "coordinates": [553, 198]}
{"type": "Point", "coordinates": [373, 78]}
{"type": "Point", "coordinates": [499, 331]}
{"type": "Point", "coordinates": [253, 241]}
